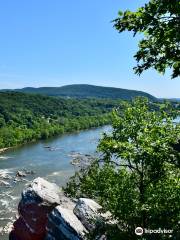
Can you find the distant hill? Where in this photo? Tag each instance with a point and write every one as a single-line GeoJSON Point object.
{"type": "Point", "coordinates": [169, 99]}
{"type": "Point", "coordinates": [175, 99]}
{"type": "Point", "coordinates": [86, 91]}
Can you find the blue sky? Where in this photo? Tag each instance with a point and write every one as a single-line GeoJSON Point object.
{"type": "Point", "coordinates": [59, 42]}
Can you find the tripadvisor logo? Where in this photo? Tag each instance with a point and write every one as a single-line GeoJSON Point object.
{"type": "Point", "coordinates": [139, 231]}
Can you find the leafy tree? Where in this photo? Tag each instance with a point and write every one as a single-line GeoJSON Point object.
{"type": "Point", "coordinates": [137, 178]}
{"type": "Point", "coordinates": [159, 21]}
{"type": "Point", "coordinates": [2, 122]}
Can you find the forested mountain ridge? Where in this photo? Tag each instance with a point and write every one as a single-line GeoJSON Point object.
{"type": "Point", "coordinates": [45, 105]}
{"type": "Point", "coordinates": [86, 91]}
{"type": "Point", "coordinates": [28, 117]}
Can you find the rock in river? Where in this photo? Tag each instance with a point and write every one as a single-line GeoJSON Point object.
{"type": "Point", "coordinates": [20, 174]}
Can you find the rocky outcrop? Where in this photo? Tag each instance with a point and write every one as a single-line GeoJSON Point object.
{"type": "Point", "coordinates": [38, 200]}
{"type": "Point", "coordinates": [64, 225]}
{"type": "Point", "coordinates": [46, 214]}
{"type": "Point", "coordinates": [88, 211]}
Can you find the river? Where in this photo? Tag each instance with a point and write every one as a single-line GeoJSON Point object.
{"type": "Point", "coordinates": [51, 163]}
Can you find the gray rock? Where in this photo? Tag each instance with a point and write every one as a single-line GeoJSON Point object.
{"type": "Point", "coordinates": [37, 201]}
{"type": "Point", "coordinates": [88, 212]}
{"type": "Point", "coordinates": [42, 191]}
{"type": "Point", "coordinates": [64, 225]}
{"type": "Point", "coordinates": [46, 213]}
{"type": "Point", "coordinates": [20, 174]}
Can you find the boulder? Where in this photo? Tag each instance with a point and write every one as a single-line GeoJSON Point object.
{"type": "Point", "coordinates": [64, 225]}
{"type": "Point", "coordinates": [89, 213]}
{"type": "Point", "coordinates": [45, 213]}
{"type": "Point", "coordinates": [37, 202]}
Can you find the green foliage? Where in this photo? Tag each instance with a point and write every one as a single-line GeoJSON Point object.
{"type": "Point", "coordinates": [159, 21]}
{"type": "Point", "coordinates": [28, 117]}
{"type": "Point", "coordinates": [137, 178]}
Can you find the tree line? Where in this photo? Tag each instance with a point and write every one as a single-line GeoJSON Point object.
{"type": "Point", "coordinates": [28, 117]}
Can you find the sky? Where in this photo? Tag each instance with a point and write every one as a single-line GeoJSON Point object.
{"type": "Point", "coordinates": [60, 42]}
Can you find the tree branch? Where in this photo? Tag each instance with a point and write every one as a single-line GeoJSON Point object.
{"type": "Point", "coordinates": [129, 165]}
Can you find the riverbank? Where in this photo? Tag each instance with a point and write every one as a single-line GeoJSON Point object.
{"type": "Point", "coordinates": [18, 136]}
{"type": "Point", "coordinates": [103, 120]}
{"type": "Point", "coordinates": [28, 117]}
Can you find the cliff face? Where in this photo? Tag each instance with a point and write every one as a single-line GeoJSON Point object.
{"type": "Point", "coordinates": [46, 214]}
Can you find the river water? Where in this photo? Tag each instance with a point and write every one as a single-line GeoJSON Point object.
{"type": "Point", "coordinates": [51, 163]}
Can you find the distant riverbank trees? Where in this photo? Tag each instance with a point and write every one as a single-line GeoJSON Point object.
{"type": "Point", "coordinates": [29, 117]}
{"type": "Point", "coordinates": [13, 136]}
